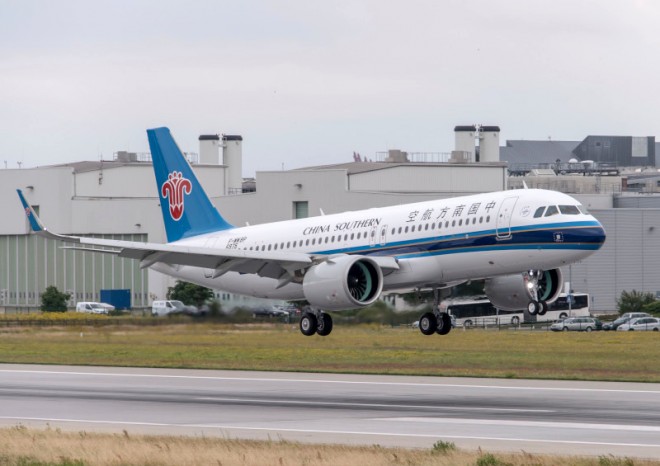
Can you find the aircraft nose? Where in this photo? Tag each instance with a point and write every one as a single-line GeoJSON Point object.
{"type": "Point", "coordinates": [599, 235]}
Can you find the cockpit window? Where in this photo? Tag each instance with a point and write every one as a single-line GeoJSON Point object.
{"type": "Point", "coordinates": [552, 210]}
{"type": "Point", "coordinates": [583, 209]}
{"type": "Point", "coordinates": [539, 212]}
{"type": "Point", "coordinates": [569, 210]}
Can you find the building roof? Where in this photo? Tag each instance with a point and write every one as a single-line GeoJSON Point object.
{"type": "Point", "coordinates": [537, 152]}
{"type": "Point", "coordinates": [90, 166]}
{"type": "Point", "coordinates": [363, 167]}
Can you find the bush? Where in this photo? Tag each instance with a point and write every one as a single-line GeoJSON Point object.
{"type": "Point", "coordinates": [633, 301]}
{"type": "Point", "coordinates": [443, 447]}
{"type": "Point", "coordinates": [52, 300]}
{"type": "Point", "coordinates": [652, 308]}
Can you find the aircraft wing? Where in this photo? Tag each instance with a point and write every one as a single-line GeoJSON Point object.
{"type": "Point", "coordinates": [278, 265]}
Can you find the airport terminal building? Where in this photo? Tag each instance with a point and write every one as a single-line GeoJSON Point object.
{"type": "Point", "coordinates": [118, 199]}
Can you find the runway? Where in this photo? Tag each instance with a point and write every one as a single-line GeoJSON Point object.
{"type": "Point", "coordinates": [585, 418]}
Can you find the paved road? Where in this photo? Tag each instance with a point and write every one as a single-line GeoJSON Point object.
{"type": "Point", "coordinates": [590, 418]}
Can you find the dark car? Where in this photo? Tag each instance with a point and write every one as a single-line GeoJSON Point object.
{"type": "Point", "coordinates": [269, 312]}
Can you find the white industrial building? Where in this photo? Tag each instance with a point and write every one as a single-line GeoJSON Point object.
{"type": "Point", "coordinates": [118, 199]}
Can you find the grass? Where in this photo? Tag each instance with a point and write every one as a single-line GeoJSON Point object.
{"type": "Point", "coordinates": [612, 356]}
{"type": "Point", "coordinates": [29, 447]}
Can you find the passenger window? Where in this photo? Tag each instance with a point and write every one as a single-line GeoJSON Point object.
{"type": "Point", "coordinates": [406, 230]}
{"type": "Point", "coordinates": [552, 210]}
{"type": "Point", "coordinates": [569, 210]}
{"type": "Point", "coordinates": [539, 212]}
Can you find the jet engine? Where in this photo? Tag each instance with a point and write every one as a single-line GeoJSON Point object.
{"type": "Point", "coordinates": [531, 290]}
{"type": "Point", "coordinates": [344, 282]}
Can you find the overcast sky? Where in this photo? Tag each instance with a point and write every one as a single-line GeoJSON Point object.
{"type": "Point", "coordinates": [307, 82]}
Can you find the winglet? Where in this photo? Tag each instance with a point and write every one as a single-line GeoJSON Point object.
{"type": "Point", "coordinates": [35, 223]}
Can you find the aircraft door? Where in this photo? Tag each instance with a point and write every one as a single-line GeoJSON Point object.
{"type": "Point", "coordinates": [372, 236]}
{"type": "Point", "coordinates": [503, 220]}
{"type": "Point", "coordinates": [383, 235]}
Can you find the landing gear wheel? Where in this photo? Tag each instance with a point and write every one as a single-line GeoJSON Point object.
{"type": "Point", "coordinates": [544, 308]}
{"type": "Point", "coordinates": [533, 307]}
{"type": "Point", "coordinates": [428, 323]}
{"type": "Point", "coordinates": [324, 326]}
{"type": "Point", "coordinates": [444, 324]}
{"type": "Point", "coordinates": [308, 324]}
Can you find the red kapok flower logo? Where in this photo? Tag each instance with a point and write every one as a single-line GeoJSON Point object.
{"type": "Point", "coordinates": [174, 189]}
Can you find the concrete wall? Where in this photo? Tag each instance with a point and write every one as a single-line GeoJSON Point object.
{"type": "Point", "coordinates": [432, 179]}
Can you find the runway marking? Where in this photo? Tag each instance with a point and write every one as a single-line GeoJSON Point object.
{"type": "Point", "coordinates": [318, 431]}
{"type": "Point", "coordinates": [346, 382]}
{"type": "Point", "coordinates": [568, 425]}
{"type": "Point", "coordinates": [371, 405]}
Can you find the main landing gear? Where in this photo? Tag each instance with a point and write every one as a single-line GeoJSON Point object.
{"type": "Point", "coordinates": [436, 321]}
{"type": "Point", "coordinates": [316, 322]}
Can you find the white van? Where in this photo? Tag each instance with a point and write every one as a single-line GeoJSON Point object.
{"type": "Point", "coordinates": [162, 308]}
{"type": "Point", "coordinates": [92, 308]}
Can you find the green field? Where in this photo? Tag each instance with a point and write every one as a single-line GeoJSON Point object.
{"type": "Point", "coordinates": [614, 356]}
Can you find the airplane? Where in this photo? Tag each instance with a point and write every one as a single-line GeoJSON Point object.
{"type": "Point", "coordinates": [515, 240]}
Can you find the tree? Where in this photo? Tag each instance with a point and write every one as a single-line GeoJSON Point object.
{"type": "Point", "coordinates": [633, 301]}
{"type": "Point", "coordinates": [52, 300]}
{"type": "Point", "coordinates": [189, 293]}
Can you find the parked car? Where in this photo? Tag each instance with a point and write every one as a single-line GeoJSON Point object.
{"type": "Point", "coordinates": [172, 306]}
{"type": "Point", "coordinates": [624, 319]}
{"type": "Point", "coordinates": [269, 311]}
{"type": "Point", "coordinates": [580, 324]}
{"type": "Point", "coordinates": [641, 324]}
{"type": "Point", "coordinates": [92, 307]}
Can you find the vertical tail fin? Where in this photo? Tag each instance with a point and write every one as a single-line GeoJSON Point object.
{"type": "Point", "coordinates": [187, 210]}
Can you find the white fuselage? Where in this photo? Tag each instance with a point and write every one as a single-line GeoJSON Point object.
{"type": "Point", "coordinates": [436, 243]}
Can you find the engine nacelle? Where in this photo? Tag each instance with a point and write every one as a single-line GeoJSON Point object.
{"type": "Point", "coordinates": [515, 292]}
{"type": "Point", "coordinates": [344, 282]}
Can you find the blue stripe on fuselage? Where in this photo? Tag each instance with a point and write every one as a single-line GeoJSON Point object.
{"type": "Point", "coordinates": [585, 235]}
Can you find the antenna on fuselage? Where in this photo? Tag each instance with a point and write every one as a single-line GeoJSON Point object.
{"type": "Point", "coordinates": [525, 185]}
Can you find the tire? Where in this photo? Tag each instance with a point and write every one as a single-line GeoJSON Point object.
{"type": "Point", "coordinates": [308, 324]}
{"type": "Point", "coordinates": [563, 315]}
{"type": "Point", "coordinates": [324, 325]}
{"type": "Point", "coordinates": [655, 329]}
{"type": "Point", "coordinates": [428, 324]}
{"type": "Point", "coordinates": [444, 325]}
{"type": "Point", "coordinates": [467, 324]}
{"type": "Point", "coordinates": [588, 329]}
{"type": "Point", "coordinates": [533, 307]}
{"type": "Point", "coordinates": [543, 309]}
{"type": "Point", "coordinates": [515, 320]}
{"type": "Point", "coordinates": [565, 329]}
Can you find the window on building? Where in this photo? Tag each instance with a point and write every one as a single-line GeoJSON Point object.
{"type": "Point", "coordinates": [300, 209]}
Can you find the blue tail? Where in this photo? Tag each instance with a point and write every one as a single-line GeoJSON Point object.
{"type": "Point", "coordinates": [187, 210]}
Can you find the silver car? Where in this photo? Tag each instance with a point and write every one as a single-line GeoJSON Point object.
{"type": "Point", "coordinates": [641, 323]}
{"type": "Point", "coordinates": [581, 324]}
